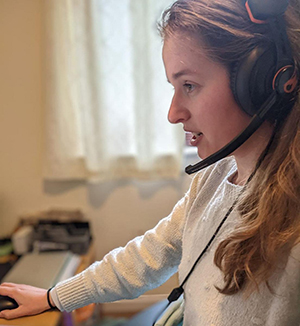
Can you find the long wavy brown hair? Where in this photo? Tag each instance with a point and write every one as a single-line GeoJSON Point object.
{"type": "Point", "coordinates": [270, 206]}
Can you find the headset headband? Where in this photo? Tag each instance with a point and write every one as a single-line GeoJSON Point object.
{"type": "Point", "coordinates": [260, 11]}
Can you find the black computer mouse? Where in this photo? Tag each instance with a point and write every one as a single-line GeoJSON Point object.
{"type": "Point", "coordinates": [7, 303]}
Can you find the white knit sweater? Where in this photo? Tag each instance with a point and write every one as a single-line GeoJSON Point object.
{"type": "Point", "coordinates": [174, 244]}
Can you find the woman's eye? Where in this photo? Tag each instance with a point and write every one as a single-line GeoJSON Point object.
{"type": "Point", "coordinates": [189, 87]}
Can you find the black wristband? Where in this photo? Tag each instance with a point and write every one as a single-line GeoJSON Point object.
{"type": "Point", "coordinates": [48, 298]}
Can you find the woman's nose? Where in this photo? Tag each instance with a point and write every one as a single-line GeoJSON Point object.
{"type": "Point", "coordinates": [177, 112]}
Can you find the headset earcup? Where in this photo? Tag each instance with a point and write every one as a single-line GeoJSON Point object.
{"type": "Point", "coordinates": [251, 78]}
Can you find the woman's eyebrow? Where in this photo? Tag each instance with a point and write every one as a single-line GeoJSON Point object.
{"type": "Point", "coordinates": [183, 72]}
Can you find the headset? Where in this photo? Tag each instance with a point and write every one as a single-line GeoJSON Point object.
{"type": "Point", "coordinates": [265, 82]}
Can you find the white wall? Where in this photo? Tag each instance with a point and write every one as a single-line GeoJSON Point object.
{"type": "Point", "coordinates": [117, 212]}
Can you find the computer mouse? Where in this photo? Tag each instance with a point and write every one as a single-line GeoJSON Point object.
{"type": "Point", "coordinates": [7, 303]}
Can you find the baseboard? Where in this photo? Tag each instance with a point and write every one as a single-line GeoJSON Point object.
{"type": "Point", "coordinates": [132, 306]}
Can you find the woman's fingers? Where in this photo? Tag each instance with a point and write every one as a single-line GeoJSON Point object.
{"type": "Point", "coordinates": [11, 314]}
{"type": "Point", "coordinates": [7, 291]}
{"type": "Point", "coordinates": [8, 284]}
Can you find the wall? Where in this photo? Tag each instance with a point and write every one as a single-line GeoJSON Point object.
{"type": "Point", "coordinates": [117, 212]}
{"type": "Point", "coordinates": [20, 110]}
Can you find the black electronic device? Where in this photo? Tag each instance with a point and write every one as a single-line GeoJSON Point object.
{"type": "Point", "coordinates": [7, 303]}
{"type": "Point", "coordinates": [267, 69]}
{"type": "Point", "coordinates": [52, 235]}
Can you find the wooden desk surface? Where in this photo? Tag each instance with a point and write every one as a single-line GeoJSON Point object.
{"type": "Point", "coordinates": [51, 318]}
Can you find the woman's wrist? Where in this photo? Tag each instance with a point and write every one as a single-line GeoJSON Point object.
{"type": "Point", "coordinates": [50, 300]}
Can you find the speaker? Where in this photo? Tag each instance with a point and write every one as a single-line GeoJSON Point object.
{"type": "Point", "coordinates": [267, 67]}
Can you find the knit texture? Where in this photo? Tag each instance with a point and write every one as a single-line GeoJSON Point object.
{"type": "Point", "coordinates": [174, 244]}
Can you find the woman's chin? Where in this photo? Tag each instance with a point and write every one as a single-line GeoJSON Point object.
{"type": "Point", "coordinates": [204, 154]}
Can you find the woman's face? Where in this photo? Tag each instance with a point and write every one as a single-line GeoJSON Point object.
{"type": "Point", "coordinates": [202, 100]}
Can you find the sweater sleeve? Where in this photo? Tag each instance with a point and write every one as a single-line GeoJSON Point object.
{"type": "Point", "coordinates": [125, 273]}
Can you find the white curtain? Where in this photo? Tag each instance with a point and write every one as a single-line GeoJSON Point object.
{"type": "Point", "coordinates": [106, 93]}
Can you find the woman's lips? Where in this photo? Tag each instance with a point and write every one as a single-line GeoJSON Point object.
{"type": "Point", "coordinates": [195, 138]}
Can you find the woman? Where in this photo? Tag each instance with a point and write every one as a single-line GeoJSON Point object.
{"type": "Point", "coordinates": [250, 274]}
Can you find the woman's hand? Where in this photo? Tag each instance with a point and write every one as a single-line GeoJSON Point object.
{"type": "Point", "coordinates": [31, 300]}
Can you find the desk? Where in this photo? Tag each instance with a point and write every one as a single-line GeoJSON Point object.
{"type": "Point", "coordinates": [51, 318]}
